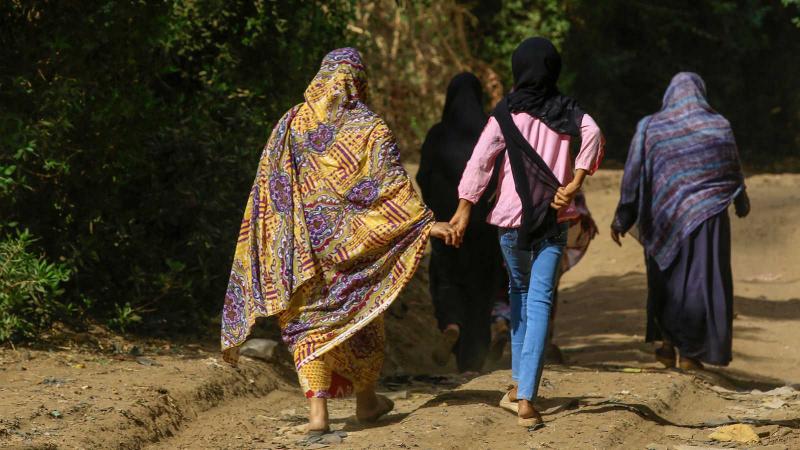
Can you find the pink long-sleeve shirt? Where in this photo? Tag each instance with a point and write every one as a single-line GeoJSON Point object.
{"type": "Point", "coordinates": [550, 145]}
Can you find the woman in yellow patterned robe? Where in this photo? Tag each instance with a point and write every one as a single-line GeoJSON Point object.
{"type": "Point", "coordinates": [332, 231]}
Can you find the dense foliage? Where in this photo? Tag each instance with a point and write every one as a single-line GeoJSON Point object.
{"type": "Point", "coordinates": [414, 48]}
{"type": "Point", "coordinates": [29, 289]}
{"type": "Point", "coordinates": [131, 128]}
{"type": "Point", "coordinates": [624, 54]}
{"type": "Point", "coordinates": [131, 131]}
{"type": "Point", "coordinates": [618, 58]}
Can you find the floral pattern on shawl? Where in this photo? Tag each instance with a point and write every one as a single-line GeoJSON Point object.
{"type": "Point", "coordinates": [333, 228]}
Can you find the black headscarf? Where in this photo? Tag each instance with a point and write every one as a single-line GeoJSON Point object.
{"type": "Point", "coordinates": [449, 144]}
{"type": "Point", "coordinates": [536, 65]}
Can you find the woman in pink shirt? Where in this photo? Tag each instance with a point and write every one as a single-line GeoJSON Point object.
{"type": "Point", "coordinates": [531, 129]}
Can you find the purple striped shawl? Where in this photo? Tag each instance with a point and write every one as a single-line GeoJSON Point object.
{"type": "Point", "coordinates": [682, 169]}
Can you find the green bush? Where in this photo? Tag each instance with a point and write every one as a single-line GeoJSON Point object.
{"type": "Point", "coordinates": [124, 317]}
{"type": "Point", "coordinates": [131, 132]}
{"type": "Point", "coordinates": [30, 288]}
{"type": "Point", "coordinates": [623, 55]}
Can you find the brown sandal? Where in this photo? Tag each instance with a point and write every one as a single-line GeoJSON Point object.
{"type": "Point", "coordinates": [665, 357]}
{"type": "Point", "coordinates": [690, 364]}
{"type": "Point", "coordinates": [508, 404]}
{"type": "Point", "coordinates": [534, 421]}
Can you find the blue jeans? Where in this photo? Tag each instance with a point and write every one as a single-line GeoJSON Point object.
{"type": "Point", "coordinates": [532, 277]}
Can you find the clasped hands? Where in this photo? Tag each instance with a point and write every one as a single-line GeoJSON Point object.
{"type": "Point", "coordinates": [452, 232]}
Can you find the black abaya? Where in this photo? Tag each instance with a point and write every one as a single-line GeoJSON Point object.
{"type": "Point", "coordinates": [691, 302]}
{"type": "Point", "coordinates": [462, 280]}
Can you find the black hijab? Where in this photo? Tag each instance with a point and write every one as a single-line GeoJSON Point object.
{"type": "Point", "coordinates": [536, 65]}
{"type": "Point", "coordinates": [449, 144]}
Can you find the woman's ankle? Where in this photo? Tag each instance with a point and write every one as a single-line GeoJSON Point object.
{"type": "Point", "coordinates": [526, 409]}
{"type": "Point", "coordinates": [371, 405]}
{"type": "Point", "coordinates": [318, 414]}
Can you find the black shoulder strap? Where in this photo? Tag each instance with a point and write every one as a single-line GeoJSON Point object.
{"type": "Point", "coordinates": [515, 140]}
{"type": "Point", "coordinates": [534, 181]}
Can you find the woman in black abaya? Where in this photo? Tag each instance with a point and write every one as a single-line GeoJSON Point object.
{"type": "Point", "coordinates": [462, 280]}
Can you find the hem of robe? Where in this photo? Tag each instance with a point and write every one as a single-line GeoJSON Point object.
{"type": "Point", "coordinates": [399, 286]}
{"type": "Point", "coordinates": [656, 332]}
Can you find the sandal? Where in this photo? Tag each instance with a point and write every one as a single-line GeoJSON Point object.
{"type": "Point", "coordinates": [315, 433]}
{"type": "Point", "coordinates": [690, 364]}
{"type": "Point", "coordinates": [509, 405]}
{"type": "Point", "coordinates": [534, 421]}
{"type": "Point", "coordinates": [666, 357]}
{"type": "Point", "coordinates": [314, 436]}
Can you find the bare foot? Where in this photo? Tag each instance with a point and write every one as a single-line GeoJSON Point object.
{"type": "Point", "coordinates": [318, 420]}
{"type": "Point", "coordinates": [370, 406]}
{"type": "Point", "coordinates": [527, 415]}
{"type": "Point", "coordinates": [441, 354]}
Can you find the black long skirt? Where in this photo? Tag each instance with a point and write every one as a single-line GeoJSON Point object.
{"type": "Point", "coordinates": [691, 302]}
{"type": "Point", "coordinates": [463, 283]}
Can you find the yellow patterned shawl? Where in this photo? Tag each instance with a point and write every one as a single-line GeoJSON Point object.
{"type": "Point", "coordinates": [333, 228]}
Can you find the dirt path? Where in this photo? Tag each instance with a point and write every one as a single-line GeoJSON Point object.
{"type": "Point", "coordinates": [584, 408]}
{"type": "Point", "coordinates": [609, 394]}
{"type": "Point", "coordinates": [85, 399]}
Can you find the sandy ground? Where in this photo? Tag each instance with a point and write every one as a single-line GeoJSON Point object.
{"type": "Point", "coordinates": [90, 392]}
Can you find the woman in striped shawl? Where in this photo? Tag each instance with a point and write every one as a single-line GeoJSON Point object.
{"type": "Point", "coordinates": [681, 174]}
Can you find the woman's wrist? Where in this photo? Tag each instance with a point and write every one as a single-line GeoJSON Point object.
{"type": "Point", "coordinates": [581, 175]}
{"type": "Point", "coordinates": [577, 183]}
{"type": "Point", "coordinates": [464, 205]}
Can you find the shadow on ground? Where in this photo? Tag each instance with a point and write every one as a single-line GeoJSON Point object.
{"type": "Point", "coordinates": [601, 322]}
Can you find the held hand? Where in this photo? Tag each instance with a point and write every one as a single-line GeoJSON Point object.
{"type": "Point", "coordinates": [445, 232]}
{"type": "Point", "coordinates": [565, 195]}
{"type": "Point", "coordinates": [616, 235]}
{"type": "Point", "coordinates": [460, 220]}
